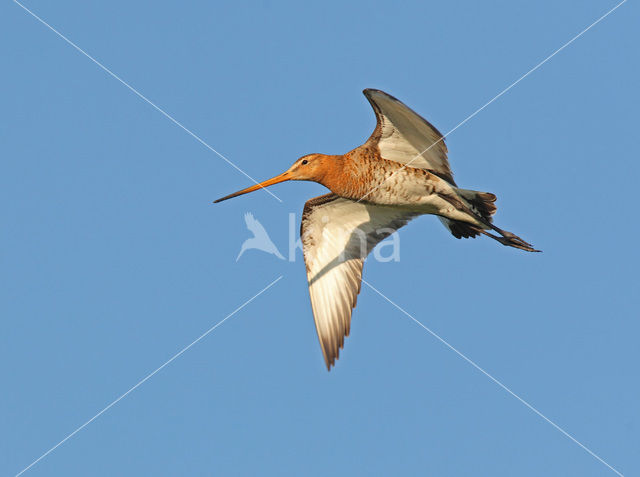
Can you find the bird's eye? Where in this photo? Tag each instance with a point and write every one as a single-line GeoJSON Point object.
{"type": "Point", "coordinates": [305, 162]}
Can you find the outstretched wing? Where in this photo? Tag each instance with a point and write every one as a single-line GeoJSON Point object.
{"type": "Point", "coordinates": [337, 235]}
{"type": "Point", "coordinates": [254, 226]}
{"type": "Point", "coordinates": [404, 136]}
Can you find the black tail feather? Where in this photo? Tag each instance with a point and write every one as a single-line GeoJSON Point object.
{"type": "Point", "coordinates": [481, 206]}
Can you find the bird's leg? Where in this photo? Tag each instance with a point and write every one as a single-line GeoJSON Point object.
{"type": "Point", "coordinates": [508, 238]}
{"type": "Point", "coordinates": [515, 242]}
{"type": "Point", "coordinates": [511, 236]}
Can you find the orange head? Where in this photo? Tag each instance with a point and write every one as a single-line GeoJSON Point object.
{"type": "Point", "coordinates": [312, 167]}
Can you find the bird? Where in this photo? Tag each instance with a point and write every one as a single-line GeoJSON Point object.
{"type": "Point", "coordinates": [401, 172]}
{"type": "Point", "coordinates": [260, 239]}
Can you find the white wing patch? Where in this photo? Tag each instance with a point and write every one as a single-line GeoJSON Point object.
{"type": "Point", "coordinates": [404, 136]}
{"type": "Point", "coordinates": [337, 235]}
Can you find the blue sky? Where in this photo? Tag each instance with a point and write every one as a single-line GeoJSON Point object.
{"type": "Point", "coordinates": [114, 258]}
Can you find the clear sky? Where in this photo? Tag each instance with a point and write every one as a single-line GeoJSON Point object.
{"type": "Point", "coordinates": [114, 259]}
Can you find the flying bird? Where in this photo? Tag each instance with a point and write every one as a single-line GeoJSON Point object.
{"type": "Point", "coordinates": [260, 239]}
{"type": "Point", "coordinates": [400, 173]}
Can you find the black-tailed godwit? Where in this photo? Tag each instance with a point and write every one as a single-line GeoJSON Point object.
{"type": "Point", "coordinates": [400, 173]}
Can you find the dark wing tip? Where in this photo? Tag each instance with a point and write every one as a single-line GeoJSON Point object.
{"type": "Point", "coordinates": [329, 357]}
{"type": "Point", "coordinates": [369, 92]}
{"type": "Point", "coordinates": [331, 362]}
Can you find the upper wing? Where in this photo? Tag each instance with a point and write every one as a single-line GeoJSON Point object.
{"type": "Point", "coordinates": [337, 235]}
{"type": "Point", "coordinates": [404, 136]}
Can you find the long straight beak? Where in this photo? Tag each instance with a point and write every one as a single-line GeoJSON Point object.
{"type": "Point", "coordinates": [285, 176]}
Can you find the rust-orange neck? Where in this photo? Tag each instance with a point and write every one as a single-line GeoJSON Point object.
{"type": "Point", "coordinates": [330, 171]}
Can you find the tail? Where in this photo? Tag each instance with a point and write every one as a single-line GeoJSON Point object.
{"type": "Point", "coordinates": [482, 205]}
